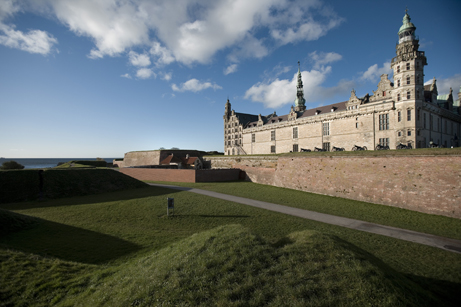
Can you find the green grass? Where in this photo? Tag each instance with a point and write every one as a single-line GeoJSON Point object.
{"type": "Point", "coordinates": [23, 185]}
{"type": "Point", "coordinates": [374, 213]}
{"type": "Point", "coordinates": [147, 258]}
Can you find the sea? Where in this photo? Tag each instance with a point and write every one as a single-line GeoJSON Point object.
{"type": "Point", "coordinates": [47, 162]}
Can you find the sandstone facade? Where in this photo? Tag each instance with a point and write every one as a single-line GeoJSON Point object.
{"type": "Point", "coordinates": [405, 111]}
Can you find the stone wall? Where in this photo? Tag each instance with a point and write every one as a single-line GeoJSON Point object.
{"type": "Point", "coordinates": [268, 161]}
{"type": "Point", "coordinates": [154, 157]}
{"type": "Point", "coordinates": [429, 184]}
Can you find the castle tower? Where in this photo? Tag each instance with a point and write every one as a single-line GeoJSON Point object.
{"type": "Point", "coordinates": [408, 65]}
{"type": "Point", "coordinates": [408, 92]}
{"type": "Point", "coordinates": [300, 101]}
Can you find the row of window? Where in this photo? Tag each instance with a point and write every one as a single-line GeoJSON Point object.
{"type": "Point", "coordinates": [399, 115]}
{"type": "Point", "coordinates": [407, 66]}
{"type": "Point", "coordinates": [383, 125]}
{"type": "Point", "coordinates": [408, 81]}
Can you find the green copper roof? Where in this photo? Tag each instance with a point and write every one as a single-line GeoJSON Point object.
{"type": "Point", "coordinates": [407, 24]}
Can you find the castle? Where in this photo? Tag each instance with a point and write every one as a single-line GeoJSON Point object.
{"type": "Point", "coordinates": [404, 112]}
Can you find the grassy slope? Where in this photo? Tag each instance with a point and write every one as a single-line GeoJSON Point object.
{"type": "Point", "coordinates": [230, 266]}
{"type": "Point", "coordinates": [374, 213]}
{"type": "Point", "coordinates": [21, 185]}
{"type": "Point", "coordinates": [132, 226]}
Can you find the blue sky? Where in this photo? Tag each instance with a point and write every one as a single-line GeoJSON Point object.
{"type": "Point", "coordinates": [100, 78]}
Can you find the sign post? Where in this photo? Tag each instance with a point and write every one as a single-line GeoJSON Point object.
{"type": "Point", "coordinates": [170, 206]}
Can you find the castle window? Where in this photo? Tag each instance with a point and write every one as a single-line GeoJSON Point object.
{"type": "Point", "coordinates": [273, 149]}
{"type": "Point", "coordinates": [384, 122]}
{"type": "Point", "coordinates": [418, 115]}
{"type": "Point", "coordinates": [326, 146]}
{"type": "Point", "coordinates": [253, 138]}
{"type": "Point", "coordinates": [295, 132]}
{"type": "Point", "coordinates": [409, 133]}
{"type": "Point", "coordinates": [417, 94]}
{"type": "Point", "coordinates": [408, 80]}
{"type": "Point", "coordinates": [356, 125]}
{"type": "Point", "coordinates": [273, 135]}
{"type": "Point", "coordinates": [408, 95]}
{"type": "Point", "coordinates": [417, 79]}
{"type": "Point", "coordinates": [398, 83]}
{"type": "Point", "coordinates": [236, 142]}
{"type": "Point", "coordinates": [398, 69]}
{"type": "Point", "coordinates": [326, 128]}
{"type": "Point", "coordinates": [398, 97]}
{"type": "Point", "coordinates": [295, 148]}
{"type": "Point", "coordinates": [399, 133]}
{"type": "Point", "coordinates": [384, 94]}
{"type": "Point", "coordinates": [399, 116]}
{"type": "Point", "coordinates": [384, 141]}
{"type": "Point", "coordinates": [408, 115]}
{"type": "Point", "coordinates": [408, 66]}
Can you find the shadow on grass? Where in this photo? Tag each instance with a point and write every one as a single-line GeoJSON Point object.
{"type": "Point", "coordinates": [445, 291]}
{"type": "Point", "coordinates": [70, 243]}
{"type": "Point", "coordinates": [91, 199]}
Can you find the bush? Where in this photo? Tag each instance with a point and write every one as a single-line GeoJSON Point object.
{"type": "Point", "coordinates": [12, 165]}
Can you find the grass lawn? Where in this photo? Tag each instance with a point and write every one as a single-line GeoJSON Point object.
{"type": "Point", "coordinates": [120, 248]}
{"type": "Point", "coordinates": [380, 214]}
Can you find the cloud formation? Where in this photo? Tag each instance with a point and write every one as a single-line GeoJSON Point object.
{"type": "Point", "coordinates": [145, 73]}
{"type": "Point", "coordinates": [374, 72]}
{"type": "Point", "coordinates": [194, 85]}
{"type": "Point", "coordinates": [230, 69]}
{"type": "Point", "coordinates": [187, 31]}
{"type": "Point", "coordinates": [140, 60]}
{"type": "Point", "coordinates": [444, 85]}
{"type": "Point", "coordinates": [275, 92]}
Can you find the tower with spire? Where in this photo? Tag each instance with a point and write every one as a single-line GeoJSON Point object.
{"type": "Point", "coordinates": [408, 65]}
{"type": "Point", "coordinates": [300, 102]}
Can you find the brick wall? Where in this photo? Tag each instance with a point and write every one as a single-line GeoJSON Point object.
{"type": "Point", "coordinates": [214, 175]}
{"type": "Point", "coordinates": [429, 184]}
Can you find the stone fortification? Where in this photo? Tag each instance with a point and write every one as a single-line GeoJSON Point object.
{"type": "Point", "coordinates": [247, 161]}
{"type": "Point", "coordinates": [154, 157]}
{"type": "Point", "coordinates": [429, 184]}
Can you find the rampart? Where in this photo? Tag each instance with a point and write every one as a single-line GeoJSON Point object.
{"type": "Point", "coordinates": [429, 184]}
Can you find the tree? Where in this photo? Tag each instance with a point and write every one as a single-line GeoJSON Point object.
{"type": "Point", "coordinates": [12, 165]}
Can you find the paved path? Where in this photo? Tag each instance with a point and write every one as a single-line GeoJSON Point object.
{"type": "Point", "coordinates": [451, 245]}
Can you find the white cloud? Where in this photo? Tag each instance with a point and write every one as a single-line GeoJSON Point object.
{"type": "Point", "coordinates": [167, 76]}
{"type": "Point", "coordinates": [34, 41]}
{"type": "Point", "coordinates": [127, 75]}
{"type": "Point", "coordinates": [114, 26]}
{"type": "Point", "coordinates": [277, 93]}
{"type": "Point", "coordinates": [145, 73]}
{"type": "Point", "coordinates": [164, 56]}
{"type": "Point", "coordinates": [140, 60]}
{"type": "Point", "coordinates": [187, 31]}
{"type": "Point", "coordinates": [230, 69]}
{"type": "Point", "coordinates": [323, 58]}
{"type": "Point", "coordinates": [374, 72]}
{"type": "Point", "coordinates": [444, 85]}
{"type": "Point", "coordinates": [194, 85]}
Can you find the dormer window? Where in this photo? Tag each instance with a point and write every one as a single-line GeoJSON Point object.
{"type": "Point", "coordinates": [317, 112]}
{"type": "Point", "coordinates": [333, 109]}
